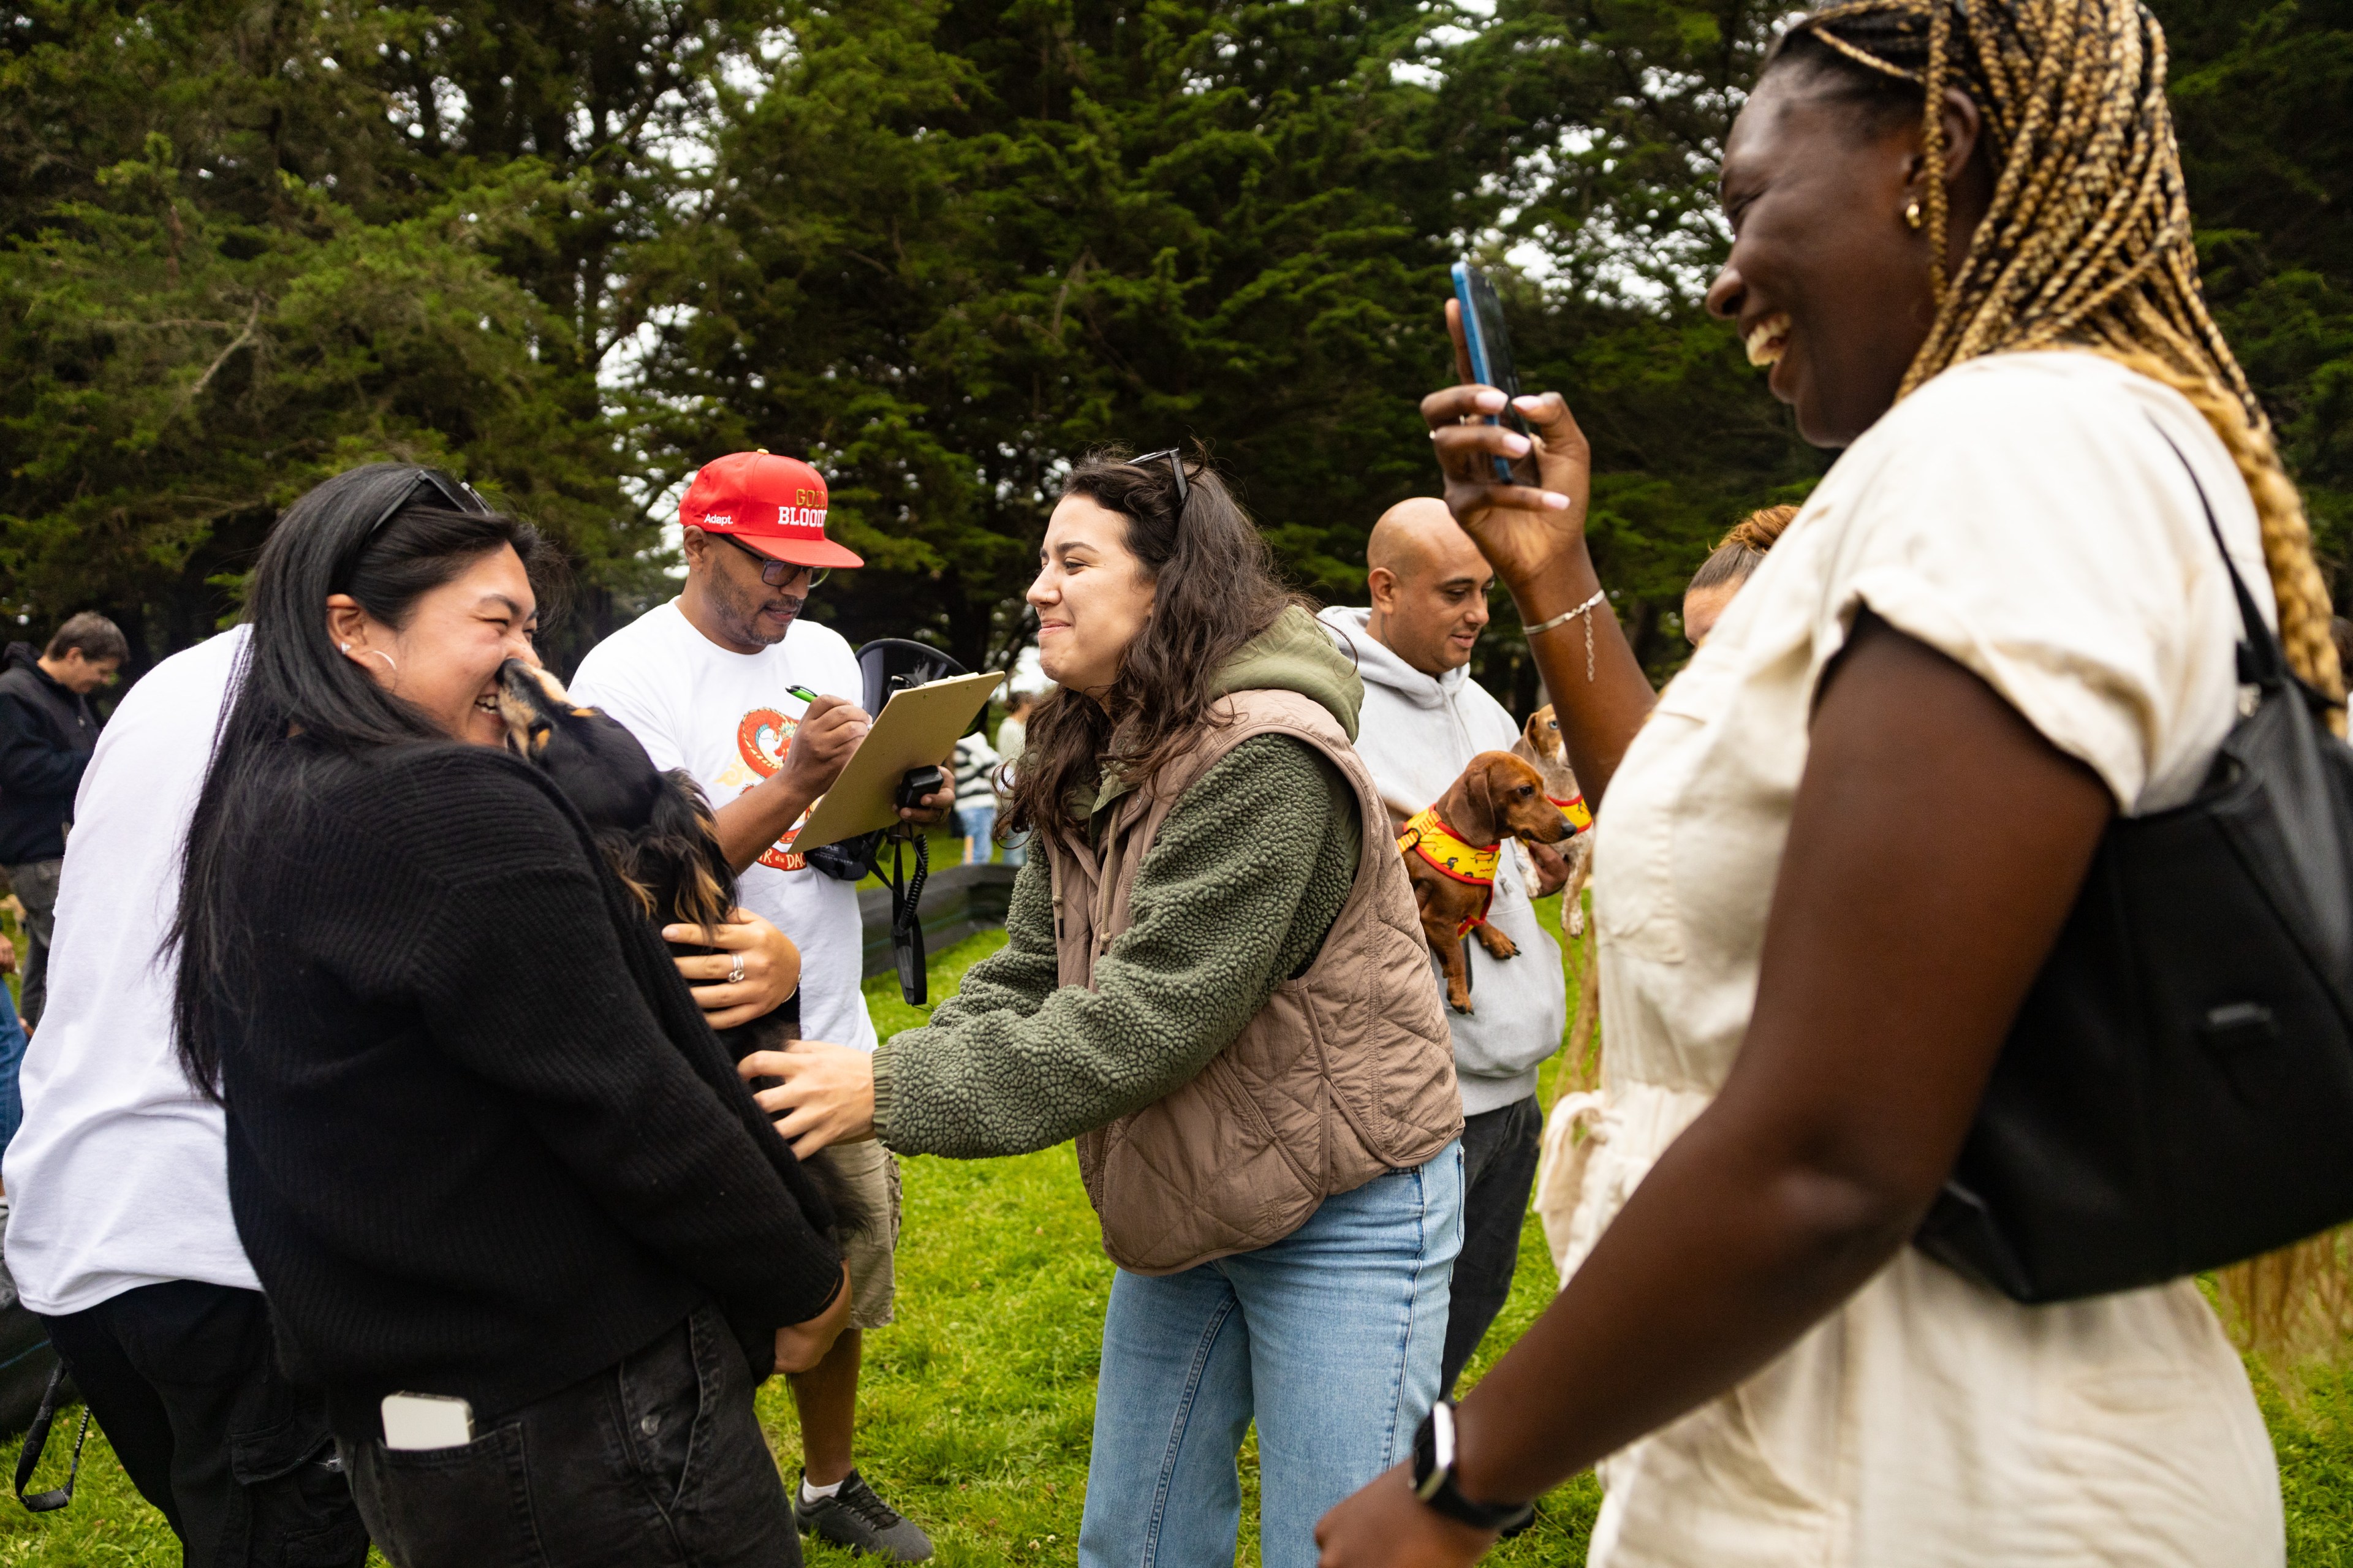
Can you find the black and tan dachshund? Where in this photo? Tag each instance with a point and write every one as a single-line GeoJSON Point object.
{"type": "Point", "coordinates": [657, 834]}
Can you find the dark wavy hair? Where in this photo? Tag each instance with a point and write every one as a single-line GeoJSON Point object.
{"type": "Point", "coordinates": [299, 706]}
{"type": "Point", "coordinates": [1216, 588]}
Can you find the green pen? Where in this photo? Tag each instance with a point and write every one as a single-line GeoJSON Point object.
{"type": "Point", "coordinates": [803, 692]}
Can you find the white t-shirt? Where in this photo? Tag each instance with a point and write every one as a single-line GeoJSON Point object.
{"type": "Point", "coordinates": [727, 718]}
{"type": "Point", "coordinates": [119, 1176]}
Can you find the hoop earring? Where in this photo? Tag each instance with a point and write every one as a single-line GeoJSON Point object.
{"type": "Point", "coordinates": [375, 653]}
{"type": "Point", "coordinates": [1912, 213]}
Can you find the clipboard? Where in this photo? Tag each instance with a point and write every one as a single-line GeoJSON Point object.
{"type": "Point", "coordinates": [917, 728]}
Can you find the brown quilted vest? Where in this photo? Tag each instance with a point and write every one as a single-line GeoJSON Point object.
{"type": "Point", "coordinates": [1346, 1072]}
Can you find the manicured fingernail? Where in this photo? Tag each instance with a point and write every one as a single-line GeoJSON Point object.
{"type": "Point", "coordinates": [1515, 444]}
{"type": "Point", "coordinates": [1527, 402]}
{"type": "Point", "coordinates": [1555, 502]}
{"type": "Point", "coordinates": [1488, 400]}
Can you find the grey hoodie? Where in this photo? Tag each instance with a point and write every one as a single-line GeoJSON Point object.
{"type": "Point", "coordinates": [1417, 732]}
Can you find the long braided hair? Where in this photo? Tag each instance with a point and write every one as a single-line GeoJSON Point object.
{"type": "Point", "coordinates": [2087, 242]}
{"type": "Point", "coordinates": [2088, 245]}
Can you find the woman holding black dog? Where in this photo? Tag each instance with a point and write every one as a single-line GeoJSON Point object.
{"type": "Point", "coordinates": [1215, 979]}
{"type": "Point", "coordinates": [482, 1146]}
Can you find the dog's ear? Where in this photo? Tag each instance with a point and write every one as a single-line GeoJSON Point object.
{"type": "Point", "coordinates": [1479, 789]}
{"type": "Point", "coordinates": [683, 821]}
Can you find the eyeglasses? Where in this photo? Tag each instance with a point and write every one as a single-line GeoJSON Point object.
{"type": "Point", "coordinates": [457, 492]}
{"type": "Point", "coordinates": [1175, 466]}
{"type": "Point", "coordinates": [777, 573]}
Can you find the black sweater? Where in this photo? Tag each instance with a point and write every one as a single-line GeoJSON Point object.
{"type": "Point", "coordinates": [480, 1141]}
{"type": "Point", "coordinates": [47, 734]}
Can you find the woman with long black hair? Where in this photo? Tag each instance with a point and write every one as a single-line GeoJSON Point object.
{"type": "Point", "coordinates": [480, 1144]}
{"type": "Point", "coordinates": [1834, 856]}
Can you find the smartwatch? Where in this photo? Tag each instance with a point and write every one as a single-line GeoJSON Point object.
{"type": "Point", "coordinates": [1433, 1477]}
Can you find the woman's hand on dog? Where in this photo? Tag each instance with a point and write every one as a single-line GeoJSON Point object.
{"type": "Point", "coordinates": [826, 1096]}
{"type": "Point", "coordinates": [800, 1346]}
{"type": "Point", "coordinates": [772, 968]}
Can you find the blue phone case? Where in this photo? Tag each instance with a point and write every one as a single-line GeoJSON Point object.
{"type": "Point", "coordinates": [1481, 366]}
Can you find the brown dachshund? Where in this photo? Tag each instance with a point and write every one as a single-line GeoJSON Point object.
{"type": "Point", "coordinates": [1451, 851]}
{"type": "Point", "coordinates": [1539, 744]}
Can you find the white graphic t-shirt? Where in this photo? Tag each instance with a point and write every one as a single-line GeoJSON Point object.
{"type": "Point", "coordinates": [728, 720]}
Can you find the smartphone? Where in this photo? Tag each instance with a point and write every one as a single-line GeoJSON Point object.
{"type": "Point", "coordinates": [427, 1421]}
{"type": "Point", "coordinates": [1490, 343]}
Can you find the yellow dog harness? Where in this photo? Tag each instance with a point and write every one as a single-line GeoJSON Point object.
{"type": "Point", "coordinates": [1580, 817]}
{"type": "Point", "coordinates": [1449, 855]}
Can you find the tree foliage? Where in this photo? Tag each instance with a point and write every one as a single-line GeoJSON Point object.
{"type": "Point", "coordinates": [945, 248]}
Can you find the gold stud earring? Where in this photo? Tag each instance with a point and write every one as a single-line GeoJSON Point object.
{"type": "Point", "coordinates": [1912, 213]}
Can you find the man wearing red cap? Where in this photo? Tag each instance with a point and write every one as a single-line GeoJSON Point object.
{"type": "Point", "coordinates": [705, 683]}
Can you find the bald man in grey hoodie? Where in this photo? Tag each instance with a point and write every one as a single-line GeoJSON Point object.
{"type": "Point", "coordinates": [1424, 719]}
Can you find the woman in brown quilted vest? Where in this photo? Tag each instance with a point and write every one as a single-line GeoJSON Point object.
{"type": "Point", "coordinates": [1214, 979]}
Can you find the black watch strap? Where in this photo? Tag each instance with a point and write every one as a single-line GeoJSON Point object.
{"type": "Point", "coordinates": [1433, 1477]}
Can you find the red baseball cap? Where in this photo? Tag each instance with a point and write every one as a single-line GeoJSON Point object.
{"type": "Point", "coordinates": [776, 505]}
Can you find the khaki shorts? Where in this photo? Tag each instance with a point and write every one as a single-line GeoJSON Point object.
{"type": "Point", "coordinates": [871, 1175]}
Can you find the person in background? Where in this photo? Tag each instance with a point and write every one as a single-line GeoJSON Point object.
{"type": "Point", "coordinates": [1215, 979]}
{"type": "Point", "coordinates": [119, 1236]}
{"type": "Point", "coordinates": [975, 794]}
{"type": "Point", "coordinates": [1011, 736]}
{"type": "Point", "coordinates": [1962, 245]}
{"type": "Point", "coordinates": [705, 683]}
{"type": "Point", "coordinates": [47, 733]}
{"type": "Point", "coordinates": [1734, 560]}
{"type": "Point", "coordinates": [1424, 719]}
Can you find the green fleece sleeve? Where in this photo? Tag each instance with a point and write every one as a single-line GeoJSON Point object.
{"type": "Point", "coordinates": [1241, 886]}
{"type": "Point", "coordinates": [1015, 980]}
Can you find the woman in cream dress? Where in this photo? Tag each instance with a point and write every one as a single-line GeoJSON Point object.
{"type": "Point", "coordinates": [1834, 853]}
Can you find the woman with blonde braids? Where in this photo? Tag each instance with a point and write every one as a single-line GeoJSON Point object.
{"type": "Point", "coordinates": [1833, 855]}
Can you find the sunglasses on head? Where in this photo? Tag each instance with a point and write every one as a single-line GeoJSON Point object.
{"type": "Point", "coordinates": [1175, 466]}
{"type": "Point", "coordinates": [777, 573]}
{"type": "Point", "coordinates": [457, 492]}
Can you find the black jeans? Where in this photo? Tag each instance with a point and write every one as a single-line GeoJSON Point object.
{"type": "Point", "coordinates": [657, 1461]}
{"type": "Point", "coordinates": [1499, 1169]}
{"type": "Point", "coordinates": [184, 1378]}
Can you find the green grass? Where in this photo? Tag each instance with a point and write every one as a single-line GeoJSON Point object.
{"type": "Point", "coordinates": [977, 1402]}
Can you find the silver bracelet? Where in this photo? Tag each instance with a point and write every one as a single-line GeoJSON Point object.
{"type": "Point", "coordinates": [1601, 597]}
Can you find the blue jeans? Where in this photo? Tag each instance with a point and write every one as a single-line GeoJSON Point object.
{"type": "Point", "coordinates": [1330, 1338]}
{"type": "Point", "coordinates": [979, 822]}
{"type": "Point", "coordinates": [12, 1061]}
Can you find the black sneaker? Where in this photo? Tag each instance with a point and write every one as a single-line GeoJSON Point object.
{"type": "Point", "coordinates": [858, 1518]}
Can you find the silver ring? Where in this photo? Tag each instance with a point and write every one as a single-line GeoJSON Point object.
{"type": "Point", "coordinates": [735, 975]}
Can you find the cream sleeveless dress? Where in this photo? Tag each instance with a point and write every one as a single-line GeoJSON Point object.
{"type": "Point", "coordinates": [2023, 515]}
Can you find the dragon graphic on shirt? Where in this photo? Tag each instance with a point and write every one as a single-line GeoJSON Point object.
{"type": "Point", "coordinates": [762, 738]}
